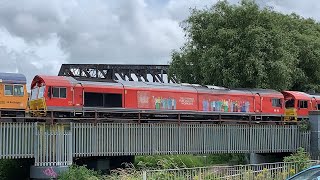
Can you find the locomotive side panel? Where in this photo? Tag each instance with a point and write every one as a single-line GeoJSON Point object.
{"type": "Point", "coordinates": [166, 100]}
{"type": "Point", "coordinates": [130, 95]}
{"type": "Point", "coordinates": [226, 102]}
{"type": "Point", "coordinates": [58, 97]}
{"type": "Point", "coordinates": [272, 105]}
{"type": "Point", "coordinates": [13, 96]}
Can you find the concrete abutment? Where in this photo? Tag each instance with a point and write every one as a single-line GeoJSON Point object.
{"type": "Point", "coordinates": [314, 119]}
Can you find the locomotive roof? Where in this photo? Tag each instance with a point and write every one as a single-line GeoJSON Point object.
{"type": "Point", "coordinates": [156, 85]}
{"type": "Point", "coordinates": [267, 92]}
{"type": "Point", "coordinates": [258, 90]}
{"type": "Point", "coordinates": [13, 78]}
{"type": "Point", "coordinates": [299, 95]}
{"type": "Point", "coordinates": [98, 83]}
{"type": "Point", "coordinates": [219, 90]}
{"type": "Point", "coordinates": [51, 80]}
{"type": "Point", "coordinates": [67, 81]}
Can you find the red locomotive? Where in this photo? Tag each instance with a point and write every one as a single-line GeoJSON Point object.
{"type": "Point", "coordinates": [62, 93]}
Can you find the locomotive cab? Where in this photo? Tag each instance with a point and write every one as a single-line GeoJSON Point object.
{"type": "Point", "coordinates": [297, 103]}
{"type": "Point", "coordinates": [13, 94]}
{"type": "Point", "coordinates": [49, 93]}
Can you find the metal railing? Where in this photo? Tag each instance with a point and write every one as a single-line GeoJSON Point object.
{"type": "Point", "coordinates": [28, 140]}
{"type": "Point", "coordinates": [16, 140]}
{"type": "Point", "coordinates": [266, 171]}
{"type": "Point", "coordinates": [113, 139]}
{"type": "Point", "coordinates": [53, 147]}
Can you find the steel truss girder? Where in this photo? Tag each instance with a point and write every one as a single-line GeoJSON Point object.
{"type": "Point", "coordinates": [146, 73]}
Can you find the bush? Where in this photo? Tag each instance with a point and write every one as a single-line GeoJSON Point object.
{"type": "Point", "coordinates": [304, 125]}
{"type": "Point", "coordinates": [15, 168]}
{"type": "Point", "coordinates": [168, 161]}
{"type": "Point", "coordinates": [301, 157]}
{"type": "Point", "coordinates": [80, 173]}
{"type": "Point", "coordinates": [188, 161]}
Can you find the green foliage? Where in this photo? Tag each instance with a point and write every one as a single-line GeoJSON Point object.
{"type": "Point", "coordinates": [7, 168]}
{"type": "Point", "coordinates": [80, 173]}
{"type": "Point", "coordinates": [187, 161]}
{"type": "Point", "coordinates": [168, 161]}
{"type": "Point", "coordinates": [247, 46]}
{"type": "Point", "coordinates": [14, 168]}
{"type": "Point", "coordinates": [242, 172]}
{"type": "Point", "coordinates": [304, 125]}
{"type": "Point", "coordinates": [301, 159]}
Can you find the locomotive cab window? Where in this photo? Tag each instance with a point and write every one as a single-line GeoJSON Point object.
{"type": "Point", "coordinates": [276, 102]}
{"type": "Point", "coordinates": [41, 91]}
{"type": "Point", "coordinates": [18, 90]}
{"type": "Point", "coordinates": [290, 103]}
{"type": "Point", "coordinates": [13, 90]}
{"type": "Point", "coordinates": [303, 104]}
{"type": "Point", "coordinates": [8, 90]}
{"type": "Point", "coordinates": [34, 93]}
{"type": "Point", "coordinates": [59, 92]}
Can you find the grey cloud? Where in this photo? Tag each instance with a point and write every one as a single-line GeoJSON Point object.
{"type": "Point", "coordinates": [306, 8]}
{"type": "Point", "coordinates": [39, 57]}
{"type": "Point", "coordinates": [122, 32]}
{"type": "Point", "coordinates": [30, 19]}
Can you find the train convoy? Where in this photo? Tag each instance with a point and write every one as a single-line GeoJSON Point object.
{"type": "Point", "coordinates": [69, 97]}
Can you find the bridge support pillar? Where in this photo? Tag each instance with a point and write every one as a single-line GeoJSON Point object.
{"type": "Point", "coordinates": [314, 118]}
{"type": "Point", "coordinates": [46, 172]}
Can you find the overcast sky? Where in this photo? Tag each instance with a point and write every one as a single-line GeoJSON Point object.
{"type": "Point", "coordinates": [37, 36]}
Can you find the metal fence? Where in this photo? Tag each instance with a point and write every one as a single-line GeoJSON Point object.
{"type": "Point", "coordinates": [53, 147]}
{"type": "Point", "coordinates": [16, 140]}
{"type": "Point", "coordinates": [266, 171]}
{"type": "Point", "coordinates": [51, 144]}
{"type": "Point", "coordinates": [112, 139]}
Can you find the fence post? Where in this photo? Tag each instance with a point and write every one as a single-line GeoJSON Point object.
{"type": "Point", "coordinates": [144, 175]}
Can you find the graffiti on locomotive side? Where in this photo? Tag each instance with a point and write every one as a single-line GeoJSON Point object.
{"type": "Point", "coordinates": [226, 106]}
{"type": "Point", "coordinates": [143, 99]}
{"type": "Point", "coordinates": [165, 103]}
{"type": "Point", "coordinates": [186, 101]}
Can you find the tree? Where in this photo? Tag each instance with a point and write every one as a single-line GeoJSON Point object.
{"type": "Point", "coordinates": [250, 47]}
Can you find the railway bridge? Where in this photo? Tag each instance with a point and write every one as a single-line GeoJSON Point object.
{"type": "Point", "coordinates": [56, 146]}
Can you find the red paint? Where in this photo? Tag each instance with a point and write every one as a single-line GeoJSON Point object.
{"type": "Point", "coordinates": [192, 99]}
